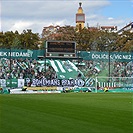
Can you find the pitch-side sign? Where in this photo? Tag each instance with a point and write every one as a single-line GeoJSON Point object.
{"type": "Point", "coordinates": [56, 82]}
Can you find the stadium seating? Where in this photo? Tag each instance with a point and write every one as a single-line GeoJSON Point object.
{"type": "Point", "coordinates": [61, 69]}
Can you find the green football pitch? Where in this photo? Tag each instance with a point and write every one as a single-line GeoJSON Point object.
{"type": "Point", "coordinates": [66, 113]}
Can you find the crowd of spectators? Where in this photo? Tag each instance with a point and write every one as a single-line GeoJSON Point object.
{"type": "Point", "coordinates": [117, 69]}
{"type": "Point", "coordinates": [93, 68]}
{"type": "Point", "coordinates": [24, 68]}
{"type": "Point", "coordinates": [123, 69]}
{"type": "Point", "coordinates": [31, 68]}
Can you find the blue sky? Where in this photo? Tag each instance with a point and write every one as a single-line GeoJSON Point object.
{"type": "Point", "coordinates": [120, 9]}
{"type": "Point", "coordinates": [36, 14]}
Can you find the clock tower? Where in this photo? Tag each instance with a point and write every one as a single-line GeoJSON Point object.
{"type": "Point", "coordinates": [80, 18]}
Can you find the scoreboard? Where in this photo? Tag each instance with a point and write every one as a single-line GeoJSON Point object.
{"type": "Point", "coordinates": [60, 47]}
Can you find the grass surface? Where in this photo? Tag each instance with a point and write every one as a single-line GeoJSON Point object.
{"type": "Point", "coordinates": [66, 113]}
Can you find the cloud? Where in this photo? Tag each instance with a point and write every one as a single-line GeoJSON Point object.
{"type": "Point", "coordinates": [21, 25]}
{"type": "Point", "coordinates": [0, 18]}
{"type": "Point", "coordinates": [35, 14]}
{"type": "Point", "coordinates": [35, 25]}
{"type": "Point", "coordinates": [28, 9]}
{"type": "Point", "coordinates": [107, 21]}
{"type": "Point", "coordinates": [110, 18]}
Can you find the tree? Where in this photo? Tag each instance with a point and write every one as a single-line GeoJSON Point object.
{"type": "Point", "coordinates": [86, 40]}
{"type": "Point", "coordinates": [25, 40]}
{"type": "Point", "coordinates": [83, 39]}
{"type": "Point", "coordinates": [8, 39]}
{"type": "Point", "coordinates": [1, 39]}
{"type": "Point", "coordinates": [29, 40]}
{"type": "Point", "coordinates": [125, 42]}
{"type": "Point", "coordinates": [16, 44]}
{"type": "Point", "coordinates": [66, 33]}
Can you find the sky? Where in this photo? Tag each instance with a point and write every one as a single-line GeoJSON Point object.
{"type": "Point", "coordinates": [35, 14]}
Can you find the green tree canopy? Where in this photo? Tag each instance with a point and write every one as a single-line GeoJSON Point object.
{"type": "Point", "coordinates": [25, 40]}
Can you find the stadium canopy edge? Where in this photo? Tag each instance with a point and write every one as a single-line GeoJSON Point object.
{"type": "Point", "coordinates": [60, 57]}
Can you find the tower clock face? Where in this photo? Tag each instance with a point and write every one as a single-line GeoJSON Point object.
{"type": "Point", "coordinates": [80, 17]}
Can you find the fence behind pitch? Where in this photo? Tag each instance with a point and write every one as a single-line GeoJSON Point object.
{"type": "Point", "coordinates": [115, 84]}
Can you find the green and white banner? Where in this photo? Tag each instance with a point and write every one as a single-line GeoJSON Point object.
{"type": "Point", "coordinates": [106, 56]}
{"type": "Point", "coordinates": [14, 83]}
{"type": "Point", "coordinates": [17, 53]}
{"type": "Point", "coordinates": [64, 69]}
{"type": "Point", "coordinates": [86, 55]}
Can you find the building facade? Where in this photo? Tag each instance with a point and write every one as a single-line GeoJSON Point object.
{"type": "Point", "coordinates": [128, 27]}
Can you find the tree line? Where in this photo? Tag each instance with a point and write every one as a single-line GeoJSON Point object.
{"type": "Point", "coordinates": [86, 40]}
{"type": "Point", "coordinates": [25, 40]}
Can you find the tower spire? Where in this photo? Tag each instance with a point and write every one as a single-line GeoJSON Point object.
{"type": "Point", "coordinates": [80, 18]}
{"type": "Point", "coordinates": [80, 3]}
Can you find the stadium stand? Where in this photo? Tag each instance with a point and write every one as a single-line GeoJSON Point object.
{"type": "Point", "coordinates": [15, 70]}
{"type": "Point", "coordinates": [21, 68]}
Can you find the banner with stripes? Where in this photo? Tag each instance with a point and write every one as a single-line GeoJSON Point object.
{"type": "Point", "coordinates": [64, 69]}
